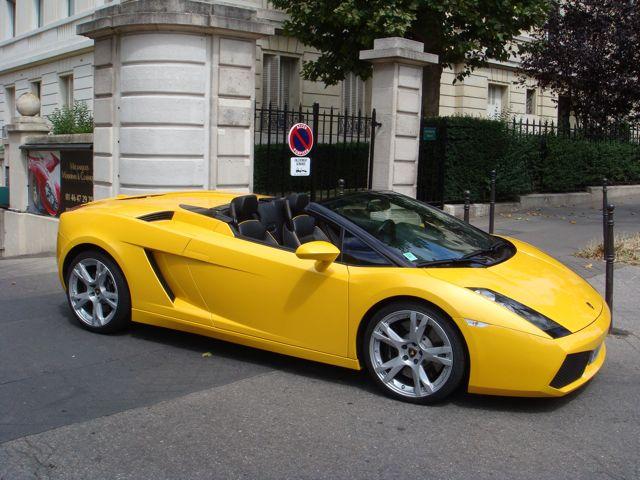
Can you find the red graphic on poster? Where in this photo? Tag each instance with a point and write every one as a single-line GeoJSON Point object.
{"type": "Point", "coordinates": [44, 182]}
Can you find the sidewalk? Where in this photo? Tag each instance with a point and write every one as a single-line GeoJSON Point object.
{"type": "Point", "coordinates": [561, 231]}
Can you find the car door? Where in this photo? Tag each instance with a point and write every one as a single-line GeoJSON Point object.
{"type": "Point", "coordinates": [268, 292]}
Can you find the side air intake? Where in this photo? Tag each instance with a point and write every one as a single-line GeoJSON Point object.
{"type": "Point", "coordinates": [158, 272]}
{"type": "Point", "coordinates": [157, 216]}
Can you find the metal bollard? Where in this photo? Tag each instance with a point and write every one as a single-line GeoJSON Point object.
{"type": "Point", "coordinates": [492, 202]}
{"type": "Point", "coordinates": [610, 258]}
{"type": "Point", "coordinates": [605, 205]}
{"type": "Point", "coordinates": [467, 205]}
{"type": "Point", "coordinates": [341, 184]}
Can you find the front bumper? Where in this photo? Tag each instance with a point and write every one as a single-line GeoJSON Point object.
{"type": "Point", "coordinates": [508, 362]}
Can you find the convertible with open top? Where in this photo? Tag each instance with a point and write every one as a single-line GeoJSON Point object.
{"type": "Point", "coordinates": [424, 302]}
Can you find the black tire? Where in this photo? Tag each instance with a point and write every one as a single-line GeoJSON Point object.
{"type": "Point", "coordinates": [122, 312]}
{"type": "Point", "coordinates": [456, 372]}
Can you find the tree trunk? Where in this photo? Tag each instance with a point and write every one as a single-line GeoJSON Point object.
{"type": "Point", "coordinates": [431, 77]}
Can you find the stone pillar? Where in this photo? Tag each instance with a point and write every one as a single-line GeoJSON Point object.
{"type": "Point", "coordinates": [174, 88]}
{"type": "Point", "coordinates": [396, 94]}
{"type": "Point", "coordinates": [18, 130]}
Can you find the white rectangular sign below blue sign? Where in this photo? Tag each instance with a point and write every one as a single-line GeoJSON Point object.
{"type": "Point", "coordinates": [300, 166]}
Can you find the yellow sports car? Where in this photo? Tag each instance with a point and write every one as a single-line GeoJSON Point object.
{"type": "Point", "coordinates": [376, 280]}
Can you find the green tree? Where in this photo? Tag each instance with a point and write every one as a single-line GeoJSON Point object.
{"type": "Point", "coordinates": [463, 33]}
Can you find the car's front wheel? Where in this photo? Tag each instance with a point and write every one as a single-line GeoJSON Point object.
{"type": "Point", "coordinates": [98, 293]}
{"type": "Point", "coordinates": [413, 353]}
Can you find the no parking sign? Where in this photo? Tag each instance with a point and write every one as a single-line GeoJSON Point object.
{"type": "Point", "coordinates": [300, 139]}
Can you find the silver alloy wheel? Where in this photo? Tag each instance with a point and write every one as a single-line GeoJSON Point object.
{"type": "Point", "coordinates": [93, 292]}
{"type": "Point", "coordinates": [411, 353]}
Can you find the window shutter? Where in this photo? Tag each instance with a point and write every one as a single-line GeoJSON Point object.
{"type": "Point", "coordinates": [359, 107]}
{"type": "Point", "coordinates": [353, 93]}
{"type": "Point", "coordinates": [494, 101]}
{"type": "Point", "coordinates": [270, 74]}
{"type": "Point", "coordinates": [286, 74]}
{"type": "Point", "coordinates": [346, 92]}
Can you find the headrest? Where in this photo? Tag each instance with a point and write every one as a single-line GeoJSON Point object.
{"type": "Point", "coordinates": [297, 202]}
{"type": "Point", "coordinates": [304, 225]}
{"type": "Point", "coordinates": [244, 208]}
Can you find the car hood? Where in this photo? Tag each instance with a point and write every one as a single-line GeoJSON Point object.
{"type": "Point", "coordinates": [535, 279]}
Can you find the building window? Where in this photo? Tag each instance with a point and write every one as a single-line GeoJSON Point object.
{"type": "Point", "coordinates": [496, 100]}
{"type": "Point", "coordinates": [11, 18]}
{"type": "Point", "coordinates": [530, 108]}
{"type": "Point", "coordinates": [39, 11]}
{"type": "Point", "coordinates": [564, 112]}
{"type": "Point", "coordinates": [353, 94]}
{"type": "Point", "coordinates": [36, 89]}
{"type": "Point", "coordinates": [9, 104]}
{"type": "Point", "coordinates": [279, 81]}
{"type": "Point", "coordinates": [66, 90]}
{"type": "Point", "coordinates": [71, 8]}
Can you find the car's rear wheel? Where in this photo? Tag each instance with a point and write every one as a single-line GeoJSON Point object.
{"type": "Point", "coordinates": [413, 352]}
{"type": "Point", "coordinates": [98, 293]}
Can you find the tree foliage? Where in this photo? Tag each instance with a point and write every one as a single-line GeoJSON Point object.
{"type": "Point", "coordinates": [588, 51]}
{"type": "Point", "coordinates": [460, 32]}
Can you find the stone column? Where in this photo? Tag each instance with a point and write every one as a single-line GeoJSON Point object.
{"type": "Point", "coordinates": [18, 130]}
{"type": "Point", "coordinates": [396, 95]}
{"type": "Point", "coordinates": [174, 88]}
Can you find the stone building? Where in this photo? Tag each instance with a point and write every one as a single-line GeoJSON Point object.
{"type": "Point", "coordinates": [41, 52]}
{"type": "Point", "coordinates": [173, 86]}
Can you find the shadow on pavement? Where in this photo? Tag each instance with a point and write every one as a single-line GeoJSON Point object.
{"type": "Point", "coordinates": [319, 371]}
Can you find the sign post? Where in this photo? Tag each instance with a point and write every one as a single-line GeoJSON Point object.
{"type": "Point", "coordinates": [300, 141]}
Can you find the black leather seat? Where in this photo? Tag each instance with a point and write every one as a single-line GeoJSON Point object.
{"type": "Point", "coordinates": [244, 211]}
{"type": "Point", "coordinates": [272, 216]}
{"type": "Point", "coordinates": [301, 227]}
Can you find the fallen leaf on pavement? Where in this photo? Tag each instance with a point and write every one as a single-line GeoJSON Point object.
{"type": "Point", "coordinates": [589, 265]}
{"type": "Point", "coordinates": [573, 222]}
{"type": "Point", "coordinates": [207, 354]}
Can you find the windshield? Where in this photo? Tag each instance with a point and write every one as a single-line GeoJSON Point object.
{"type": "Point", "coordinates": [420, 233]}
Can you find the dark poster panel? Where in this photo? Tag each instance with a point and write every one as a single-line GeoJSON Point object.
{"type": "Point", "coordinates": [76, 178]}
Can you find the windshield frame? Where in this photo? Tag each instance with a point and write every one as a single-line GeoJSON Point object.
{"type": "Point", "coordinates": [392, 253]}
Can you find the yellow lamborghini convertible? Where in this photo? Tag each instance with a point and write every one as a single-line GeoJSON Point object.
{"type": "Point", "coordinates": [376, 280]}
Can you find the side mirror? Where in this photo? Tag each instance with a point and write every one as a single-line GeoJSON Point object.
{"type": "Point", "coordinates": [324, 253]}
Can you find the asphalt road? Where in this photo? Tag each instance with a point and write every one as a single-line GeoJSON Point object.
{"type": "Point", "coordinates": [148, 404]}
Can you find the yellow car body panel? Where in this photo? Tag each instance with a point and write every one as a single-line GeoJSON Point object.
{"type": "Point", "coordinates": [218, 285]}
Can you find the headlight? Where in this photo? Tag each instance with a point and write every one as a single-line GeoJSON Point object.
{"type": "Point", "coordinates": [545, 324]}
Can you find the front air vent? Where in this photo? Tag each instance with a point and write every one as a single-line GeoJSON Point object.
{"type": "Point", "coordinates": [571, 370]}
{"type": "Point", "coordinates": [157, 216]}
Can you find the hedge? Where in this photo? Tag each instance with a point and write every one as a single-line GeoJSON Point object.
{"type": "Point", "coordinates": [524, 163]}
{"type": "Point", "coordinates": [329, 163]}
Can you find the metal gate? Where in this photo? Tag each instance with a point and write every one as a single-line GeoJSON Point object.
{"type": "Point", "coordinates": [344, 146]}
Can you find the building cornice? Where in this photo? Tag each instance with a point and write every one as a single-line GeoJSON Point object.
{"type": "Point", "coordinates": [180, 15]}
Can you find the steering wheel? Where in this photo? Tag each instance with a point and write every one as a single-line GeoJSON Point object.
{"type": "Point", "coordinates": [386, 232]}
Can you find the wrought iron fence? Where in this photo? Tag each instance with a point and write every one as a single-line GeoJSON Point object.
{"type": "Point", "coordinates": [343, 150]}
{"type": "Point", "coordinates": [616, 132]}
